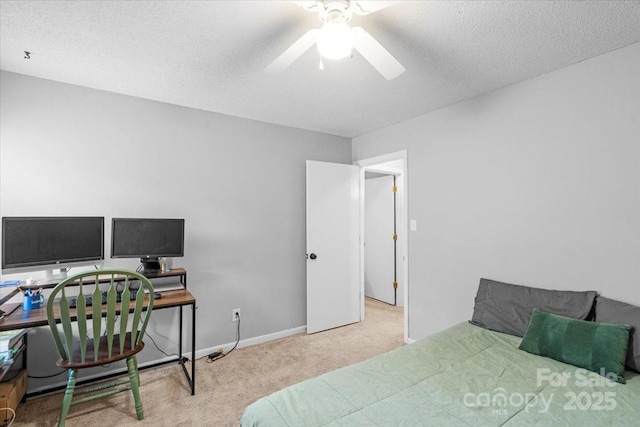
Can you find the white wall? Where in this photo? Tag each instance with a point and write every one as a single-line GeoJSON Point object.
{"type": "Point", "coordinates": [239, 184]}
{"type": "Point", "coordinates": [535, 184]}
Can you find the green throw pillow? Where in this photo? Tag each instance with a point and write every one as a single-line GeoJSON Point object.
{"type": "Point", "coordinates": [590, 345]}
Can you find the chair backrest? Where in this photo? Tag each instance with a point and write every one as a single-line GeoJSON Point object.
{"type": "Point", "coordinates": [94, 300]}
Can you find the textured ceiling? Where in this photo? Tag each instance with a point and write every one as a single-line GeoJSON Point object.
{"type": "Point", "coordinates": [210, 55]}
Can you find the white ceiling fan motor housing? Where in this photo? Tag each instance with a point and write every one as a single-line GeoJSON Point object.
{"type": "Point", "coordinates": [335, 39]}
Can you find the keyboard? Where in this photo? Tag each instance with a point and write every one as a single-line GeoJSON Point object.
{"type": "Point", "coordinates": [89, 299]}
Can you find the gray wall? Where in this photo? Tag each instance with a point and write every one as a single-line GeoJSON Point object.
{"type": "Point", "coordinates": [239, 184]}
{"type": "Point", "coordinates": [535, 184]}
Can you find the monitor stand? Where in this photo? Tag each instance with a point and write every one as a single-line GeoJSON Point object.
{"type": "Point", "coordinates": [49, 275]}
{"type": "Point", "coordinates": [150, 266]}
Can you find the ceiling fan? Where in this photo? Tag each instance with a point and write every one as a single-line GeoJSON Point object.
{"type": "Point", "coordinates": [336, 39]}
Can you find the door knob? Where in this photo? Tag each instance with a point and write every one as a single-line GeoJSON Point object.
{"type": "Point", "coordinates": [313, 256]}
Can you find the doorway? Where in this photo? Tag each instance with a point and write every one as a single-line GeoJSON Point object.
{"type": "Point", "coordinates": [380, 239]}
{"type": "Point", "coordinates": [395, 165]}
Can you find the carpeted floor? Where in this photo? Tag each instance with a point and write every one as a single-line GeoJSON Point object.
{"type": "Point", "coordinates": [225, 387]}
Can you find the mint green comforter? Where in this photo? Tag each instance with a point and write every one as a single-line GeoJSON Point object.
{"type": "Point", "coordinates": [463, 376]}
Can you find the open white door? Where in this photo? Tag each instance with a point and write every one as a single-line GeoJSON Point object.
{"type": "Point", "coordinates": [379, 246]}
{"type": "Point", "coordinates": [333, 257]}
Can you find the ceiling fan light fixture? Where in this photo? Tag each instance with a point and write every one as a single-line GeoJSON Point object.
{"type": "Point", "coordinates": [335, 40]}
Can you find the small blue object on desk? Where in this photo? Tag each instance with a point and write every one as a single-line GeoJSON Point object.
{"type": "Point", "coordinates": [32, 302]}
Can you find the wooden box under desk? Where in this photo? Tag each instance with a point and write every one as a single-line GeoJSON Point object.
{"type": "Point", "coordinates": [11, 393]}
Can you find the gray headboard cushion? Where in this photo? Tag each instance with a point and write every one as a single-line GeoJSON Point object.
{"type": "Point", "coordinates": [507, 308]}
{"type": "Point", "coordinates": [612, 311]}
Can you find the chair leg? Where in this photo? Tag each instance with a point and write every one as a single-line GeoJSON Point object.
{"type": "Point", "coordinates": [135, 364]}
{"type": "Point", "coordinates": [68, 396]}
{"type": "Point", "coordinates": [132, 367]}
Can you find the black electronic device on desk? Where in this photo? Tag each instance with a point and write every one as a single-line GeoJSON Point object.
{"type": "Point", "coordinates": [148, 239]}
{"type": "Point", "coordinates": [31, 244]}
{"type": "Point", "coordinates": [89, 299]}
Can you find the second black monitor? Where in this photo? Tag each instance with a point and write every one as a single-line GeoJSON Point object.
{"type": "Point", "coordinates": [148, 239]}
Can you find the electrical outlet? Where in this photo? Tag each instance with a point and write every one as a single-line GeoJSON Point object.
{"type": "Point", "coordinates": [235, 314]}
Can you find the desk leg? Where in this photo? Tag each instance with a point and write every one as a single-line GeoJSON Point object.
{"type": "Point", "coordinates": [24, 363]}
{"type": "Point", "coordinates": [193, 349]}
{"type": "Point", "coordinates": [180, 337]}
{"type": "Point", "coordinates": [191, 379]}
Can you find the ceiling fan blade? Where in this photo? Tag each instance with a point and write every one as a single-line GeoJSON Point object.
{"type": "Point", "coordinates": [294, 52]}
{"type": "Point", "coordinates": [310, 5]}
{"type": "Point", "coordinates": [364, 7]}
{"type": "Point", "coordinates": [377, 55]}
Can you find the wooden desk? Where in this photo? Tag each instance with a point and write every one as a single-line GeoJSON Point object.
{"type": "Point", "coordinates": [20, 319]}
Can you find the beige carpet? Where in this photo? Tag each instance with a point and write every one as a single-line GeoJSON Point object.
{"type": "Point", "coordinates": [225, 387]}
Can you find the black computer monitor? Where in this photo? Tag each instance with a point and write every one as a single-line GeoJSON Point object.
{"type": "Point", "coordinates": [148, 239]}
{"type": "Point", "coordinates": [49, 243]}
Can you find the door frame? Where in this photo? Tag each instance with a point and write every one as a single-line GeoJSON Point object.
{"type": "Point", "coordinates": [372, 164]}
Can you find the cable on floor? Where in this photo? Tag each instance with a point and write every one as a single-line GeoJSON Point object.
{"type": "Point", "coordinates": [217, 356]}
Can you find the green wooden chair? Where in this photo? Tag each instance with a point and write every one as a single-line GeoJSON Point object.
{"type": "Point", "coordinates": [101, 323]}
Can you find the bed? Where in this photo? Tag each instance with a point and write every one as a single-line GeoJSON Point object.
{"type": "Point", "coordinates": [467, 375]}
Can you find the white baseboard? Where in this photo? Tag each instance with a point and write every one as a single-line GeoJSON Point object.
{"type": "Point", "coordinates": [251, 341]}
